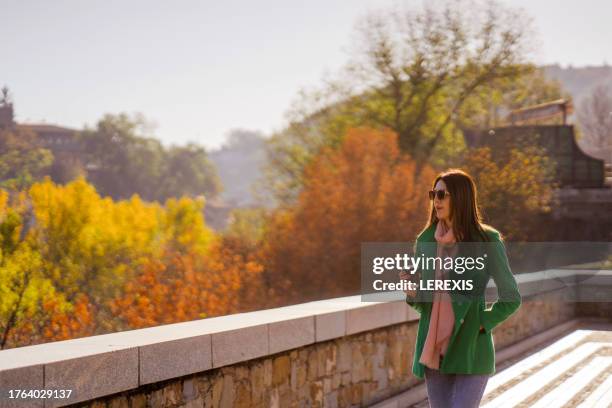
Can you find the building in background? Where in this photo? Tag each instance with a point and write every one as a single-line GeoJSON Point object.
{"type": "Point", "coordinates": [584, 181]}
{"type": "Point", "coordinates": [61, 141]}
{"type": "Point", "coordinates": [550, 113]}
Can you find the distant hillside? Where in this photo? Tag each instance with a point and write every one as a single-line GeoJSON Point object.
{"type": "Point", "coordinates": [579, 82]}
{"type": "Point", "coordinates": [239, 164]}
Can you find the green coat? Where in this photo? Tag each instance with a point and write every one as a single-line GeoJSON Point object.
{"type": "Point", "coordinates": [470, 350]}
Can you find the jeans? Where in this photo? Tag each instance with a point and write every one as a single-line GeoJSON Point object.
{"type": "Point", "coordinates": [454, 390]}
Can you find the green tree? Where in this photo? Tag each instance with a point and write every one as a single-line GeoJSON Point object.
{"type": "Point", "coordinates": [187, 170]}
{"type": "Point", "coordinates": [22, 161]}
{"type": "Point", "coordinates": [414, 72]}
{"type": "Point", "coordinates": [123, 161]}
{"type": "Point", "coordinates": [488, 107]}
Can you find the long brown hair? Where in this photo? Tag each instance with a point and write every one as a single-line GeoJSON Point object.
{"type": "Point", "coordinates": [464, 212]}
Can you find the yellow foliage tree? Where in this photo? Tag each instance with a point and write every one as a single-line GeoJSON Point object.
{"type": "Point", "coordinates": [514, 195]}
{"type": "Point", "coordinates": [88, 243]}
{"type": "Point", "coordinates": [23, 288]}
{"type": "Point", "coordinates": [69, 254]}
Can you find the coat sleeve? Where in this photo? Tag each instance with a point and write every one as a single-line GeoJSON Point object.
{"type": "Point", "coordinates": [509, 297]}
{"type": "Point", "coordinates": [415, 301]}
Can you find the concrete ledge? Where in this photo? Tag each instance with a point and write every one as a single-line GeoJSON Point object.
{"type": "Point", "coordinates": [171, 359]}
{"type": "Point", "coordinates": [233, 346]}
{"type": "Point", "coordinates": [22, 378]}
{"type": "Point", "coordinates": [541, 282]}
{"type": "Point", "coordinates": [330, 326]}
{"type": "Point", "coordinates": [375, 316]}
{"type": "Point", "coordinates": [290, 334]}
{"type": "Point", "coordinates": [114, 371]}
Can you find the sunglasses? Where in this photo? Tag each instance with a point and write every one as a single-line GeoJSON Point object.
{"type": "Point", "coordinates": [441, 194]}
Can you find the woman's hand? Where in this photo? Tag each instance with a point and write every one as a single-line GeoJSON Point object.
{"type": "Point", "coordinates": [403, 275]}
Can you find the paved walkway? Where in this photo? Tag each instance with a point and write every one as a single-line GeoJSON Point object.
{"type": "Point", "coordinates": [574, 371]}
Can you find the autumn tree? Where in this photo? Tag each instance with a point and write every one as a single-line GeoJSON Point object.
{"type": "Point", "coordinates": [73, 264]}
{"type": "Point", "coordinates": [23, 287]}
{"type": "Point", "coordinates": [362, 191]}
{"type": "Point", "coordinates": [87, 242]}
{"type": "Point", "coordinates": [244, 238]}
{"type": "Point", "coordinates": [516, 193]}
{"type": "Point", "coordinates": [196, 275]}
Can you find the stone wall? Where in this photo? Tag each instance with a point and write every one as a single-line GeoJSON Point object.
{"type": "Point", "coordinates": [352, 371]}
{"type": "Point", "coordinates": [357, 370]}
{"type": "Point", "coordinates": [335, 353]}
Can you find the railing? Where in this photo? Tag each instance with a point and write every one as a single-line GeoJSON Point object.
{"type": "Point", "coordinates": [335, 352]}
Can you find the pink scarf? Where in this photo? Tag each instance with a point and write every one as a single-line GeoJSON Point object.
{"type": "Point", "coordinates": [442, 319]}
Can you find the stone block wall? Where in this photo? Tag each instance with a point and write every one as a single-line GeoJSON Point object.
{"type": "Point", "coordinates": [334, 353]}
{"type": "Point", "coordinates": [350, 371]}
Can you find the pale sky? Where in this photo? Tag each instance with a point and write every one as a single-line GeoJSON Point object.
{"type": "Point", "coordinates": [197, 69]}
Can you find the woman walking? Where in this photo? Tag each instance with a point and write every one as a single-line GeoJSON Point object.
{"type": "Point", "coordinates": [454, 348]}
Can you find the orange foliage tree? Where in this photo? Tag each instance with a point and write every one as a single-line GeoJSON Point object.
{"type": "Point", "coordinates": [53, 320]}
{"type": "Point", "coordinates": [184, 286]}
{"type": "Point", "coordinates": [76, 321]}
{"type": "Point", "coordinates": [362, 191]}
